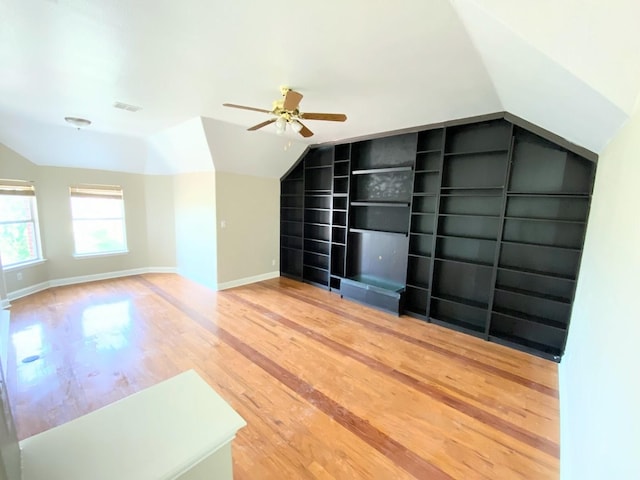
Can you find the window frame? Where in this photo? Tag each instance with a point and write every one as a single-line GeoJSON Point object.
{"type": "Point", "coordinates": [98, 191]}
{"type": "Point", "coordinates": [21, 188]}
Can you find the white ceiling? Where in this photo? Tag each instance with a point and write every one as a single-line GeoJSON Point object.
{"type": "Point", "coordinates": [572, 67]}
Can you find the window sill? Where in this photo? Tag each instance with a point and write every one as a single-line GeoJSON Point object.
{"type": "Point", "coordinates": [20, 266]}
{"type": "Point", "coordinates": [80, 256]}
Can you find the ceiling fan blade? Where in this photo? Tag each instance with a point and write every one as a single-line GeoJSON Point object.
{"type": "Point", "coordinates": [291, 100]}
{"type": "Point", "coordinates": [242, 107]}
{"type": "Point", "coordinates": [332, 117]}
{"type": "Point", "coordinates": [260, 125]}
{"type": "Point", "coordinates": [305, 132]}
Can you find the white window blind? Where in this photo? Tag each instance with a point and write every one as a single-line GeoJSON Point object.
{"type": "Point", "coordinates": [19, 232]}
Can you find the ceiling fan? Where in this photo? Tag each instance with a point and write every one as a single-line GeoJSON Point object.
{"type": "Point", "coordinates": [286, 112]}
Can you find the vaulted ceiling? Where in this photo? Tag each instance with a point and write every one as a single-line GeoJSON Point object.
{"type": "Point", "coordinates": [571, 67]}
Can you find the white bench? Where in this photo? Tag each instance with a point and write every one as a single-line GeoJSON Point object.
{"type": "Point", "coordinates": [178, 429]}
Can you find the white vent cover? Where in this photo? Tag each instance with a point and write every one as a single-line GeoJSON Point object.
{"type": "Point", "coordinates": [126, 106]}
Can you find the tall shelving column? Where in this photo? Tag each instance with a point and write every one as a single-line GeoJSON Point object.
{"type": "Point", "coordinates": [318, 175]}
{"type": "Point", "coordinates": [340, 219]}
{"type": "Point", "coordinates": [544, 227]}
{"type": "Point", "coordinates": [471, 195]}
{"type": "Point", "coordinates": [424, 208]}
{"type": "Point", "coordinates": [291, 214]}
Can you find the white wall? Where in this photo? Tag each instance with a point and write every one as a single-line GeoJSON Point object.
{"type": "Point", "coordinates": [249, 244]}
{"type": "Point", "coordinates": [599, 377]}
{"type": "Point", "coordinates": [195, 220]}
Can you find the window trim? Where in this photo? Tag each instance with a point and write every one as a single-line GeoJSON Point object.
{"type": "Point", "coordinates": [21, 188]}
{"type": "Point", "coordinates": [114, 192]}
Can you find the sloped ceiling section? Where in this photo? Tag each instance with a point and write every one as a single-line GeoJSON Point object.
{"type": "Point", "coordinates": [259, 154]}
{"type": "Point", "coordinates": [556, 89]}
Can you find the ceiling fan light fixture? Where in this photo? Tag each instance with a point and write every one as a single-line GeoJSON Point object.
{"type": "Point", "coordinates": [78, 122]}
{"type": "Point", "coordinates": [296, 126]}
{"type": "Point", "coordinates": [281, 125]}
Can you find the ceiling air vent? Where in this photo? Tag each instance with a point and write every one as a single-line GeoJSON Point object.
{"type": "Point", "coordinates": [126, 106]}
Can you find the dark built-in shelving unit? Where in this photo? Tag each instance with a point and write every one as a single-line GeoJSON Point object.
{"type": "Point", "coordinates": [478, 227]}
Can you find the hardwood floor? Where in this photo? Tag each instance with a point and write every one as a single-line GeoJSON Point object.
{"type": "Point", "coordinates": [329, 388]}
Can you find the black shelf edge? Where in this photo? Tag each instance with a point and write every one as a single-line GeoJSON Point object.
{"type": "Point", "coordinates": [308, 265]}
{"type": "Point", "coordinates": [291, 208]}
{"type": "Point", "coordinates": [315, 253]}
{"type": "Point", "coordinates": [460, 301]}
{"type": "Point", "coordinates": [477, 152]}
{"type": "Point", "coordinates": [466, 215]}
{"type": "Point", "coordinates": [525, 317]}
{"type": "Point", "coordinates": [318, 209]}
{"type": "Point", "coordinates": [465, 193]}
{"type": "Point", "coordinates": [460, 237]}
{"type": "Point", "coordinates": [339, 244]}
{"type": "Point", "coordinates": [324, 286]}
{"type": "Point", "coordinates": [500, 187]}
{"type": "Point", "coordinates": [290, 236]}
{"type": "Point", "coordinates": [421, 234]}
{"type": "Point", "coordinates": [342, 160]}
{"type": "Point", "coordinates": [385, 232]}
{"type": "Point", "coordinates": [340, 195]}
{"type": "Point", "coordinates": [291, 194]}
{"type": "Point", "coordinates": [339, 209]}
{"type": "Point", "coordinates": [419, 286]}
{"type": "Point", "coordinates": [292, 248]}
{"type": "Point", "coordinates": [465, 262]}
{"type": "Point", "coordinates": [527, 346]}
{"type": "Point", "coordinates": [459, 325]}
{"type": "Point", "coordinates": [419, 255]}
{"type": "Point", "coordinates": [318, 193]}
{"type": "Point", "coordinates": [369, 171]}
{"type": "Point", "coordinates": [424, 194]}
{"type": "Point", "coordinates": [427, 171]}
{"type": "Point", "coordinates": [540, 245]}
{"type": "Point", "coordinates": [423, 213]}
{"type": "Point", "coordinates": [319, 240]}
{"type": "Point", "coordinates": [529, 293]}
{"type": "Point", "coordinates": [367, 203]}
{"type": "Point", "coordinates": [290, 221]}
{"type": "Point", "coordinates": [433, 150]}
{"type": "Point", "coordinates": [537, 273]}
{"type": "Point", "coordinates": [553, 220]}
{"type": "Point", "coordinates": [549, 194]}
{"type": "Point", "coordinates": [340, 176]}
{"type": "Point", "coordinates": [313, 167]}
{"type": "Point", "coordinates": [318, 224]}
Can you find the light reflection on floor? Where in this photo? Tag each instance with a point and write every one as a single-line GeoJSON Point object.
{"type": "Point", "coordinates": [107, 325]}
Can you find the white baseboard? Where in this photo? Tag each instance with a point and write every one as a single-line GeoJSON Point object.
{"type": "Point", "coordinates": [247, 280]}
{"type": "Point", "coordinates": [59, 282]}
{"type": "Point", "coordinates": [5, 303]}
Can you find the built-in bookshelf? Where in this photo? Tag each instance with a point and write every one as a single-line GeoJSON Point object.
{"type": "Point", "coordinates": [478, 227]}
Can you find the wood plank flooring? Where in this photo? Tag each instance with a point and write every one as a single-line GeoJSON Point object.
{"type": "Point", "coordinates": [330, 389]}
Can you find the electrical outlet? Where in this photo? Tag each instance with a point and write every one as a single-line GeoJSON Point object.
{"type": "Point", "coordinates": [273, 262]}
{"type": "Point", "coordinates": [19, 275]}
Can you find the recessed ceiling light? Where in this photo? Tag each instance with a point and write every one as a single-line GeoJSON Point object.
{"type": "Point", "coordinates": [126, 106]}
{"type": "Point", "coordinates": [78, 122]}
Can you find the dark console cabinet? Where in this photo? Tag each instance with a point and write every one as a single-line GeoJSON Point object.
{"type": "Point", "coordinates": [478, 227]}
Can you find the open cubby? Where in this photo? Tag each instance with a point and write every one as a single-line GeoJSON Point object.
{"type": "Point", "coordinates": [415, 300]}
{"type": "Point", "coordinates": [395, 151]}
{"type": "Point", "coordinates": [420, 244]}
{"type": "Point", "coordinates": [380, 218]}
{"type": "Point", "coordinates": [418, 271]}
{"type": "Point", "coordinates": [470, 283]}
{"type": "Point", "coordinates": [429, 140]}
{"type": "Point", "coordinates": [390, 187]}
{"type": "Point", "coordinates": [422, 204]}
{"type": "Point", "coordinates": [428, 161]}
{"type": "Point", "coordinates": [481, 170]}
{"type": "Point", "coordinates": [475, 226]}
{"type": "Point", "coordinates": [478, 137]}
{"type": "Point", "coordinates": [556, 234]}
{"type": "Point", "coordinates": [469, 226]}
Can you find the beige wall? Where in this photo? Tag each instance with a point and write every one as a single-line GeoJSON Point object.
{"type": "Point", "coordinates": [248, 245]}
{"type": "Point", "coordinates": [195, 220]}
{"type": "Point", "coordinates": [161, 239]}
{"type": "Point", "coordinates": [599, 380]}
{"type": "Point", "coordinates": [149, 220]}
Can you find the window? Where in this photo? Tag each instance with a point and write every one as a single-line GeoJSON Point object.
{"type": "Point", "coordinates": [98, 219]}
{"type": "Point", "coordinates": [19, 233]}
